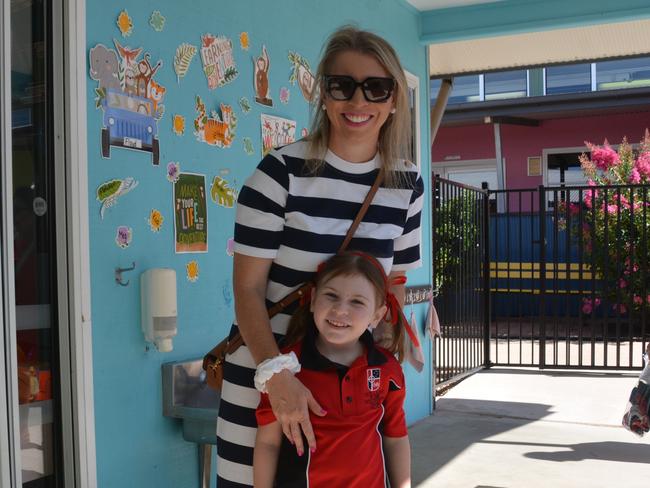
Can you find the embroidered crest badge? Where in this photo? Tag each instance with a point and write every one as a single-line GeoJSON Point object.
{"type": "Point", "coordinates": [374, 379]}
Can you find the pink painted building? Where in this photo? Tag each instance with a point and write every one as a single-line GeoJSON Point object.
{"type": "Point", "coordinates": [535, 122]}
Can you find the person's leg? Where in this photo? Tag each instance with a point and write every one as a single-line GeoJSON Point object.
{"type": "Point", "coordinates": [236, 425]}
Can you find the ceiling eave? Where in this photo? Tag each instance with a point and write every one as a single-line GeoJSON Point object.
{"type": "Point", "coordinates": [518, 33]}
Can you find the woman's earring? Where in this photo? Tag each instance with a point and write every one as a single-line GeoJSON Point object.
{"type": "Point", "coordinates": [393, 110]}
{"type": "Point", "coordinates": [324, 107]}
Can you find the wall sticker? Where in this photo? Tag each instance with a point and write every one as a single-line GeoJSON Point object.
{"type": "Point", "coordinates": [215, 130]}
{"type": "Point", "coordinates": [262, 64]}
{"type": "Point", "coordinates": [190, 214]}
{"type": "Point", "coordinates": [109, 192]}
{"type": "Point", "coordinates": [218, 61]}
{"type": "Point", "coordinates": [276, 131]}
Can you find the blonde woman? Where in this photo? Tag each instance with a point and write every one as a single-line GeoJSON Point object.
{"type": "Point", "coordinates": [293, 213]}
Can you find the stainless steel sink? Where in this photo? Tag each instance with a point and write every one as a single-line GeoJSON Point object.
{"type": "Point", "coordinates": [187, 396]}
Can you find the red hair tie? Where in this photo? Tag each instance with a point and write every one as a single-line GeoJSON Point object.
{"type": "Point", "coordinates": [395, 309]}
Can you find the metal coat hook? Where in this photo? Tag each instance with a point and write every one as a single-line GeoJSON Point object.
{"type": "Point", "coordinates": [118, 274]}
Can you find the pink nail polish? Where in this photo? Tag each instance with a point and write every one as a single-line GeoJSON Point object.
{"type": "Point", "coordinates": [300, 453]}
{"type": "Point", "coordinates": [312, 450]}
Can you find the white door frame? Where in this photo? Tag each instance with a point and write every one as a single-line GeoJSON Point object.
{"type": "Point", "coordinates": [9, 426]}
{"type": "Point", "coordinates": [72, 242]}
{"type": "Point", "coordinates": [413, 82]}
{"type": "Point", "coordinates": [77, 259]}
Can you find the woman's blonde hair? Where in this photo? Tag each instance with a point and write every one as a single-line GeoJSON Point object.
{"type": "Point", "coordinates": [395, 134]}
{"type": "Point", "coordinates": [348, 263]}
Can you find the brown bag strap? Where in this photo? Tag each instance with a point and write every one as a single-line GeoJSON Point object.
{"type": "Point", "coordinates": [237, 339]}
{"type": "Point", "coordinates": [364, 208]}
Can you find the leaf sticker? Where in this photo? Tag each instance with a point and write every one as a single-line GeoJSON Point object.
{"type": "Point", "coordinates": [184, 55]}
{"type": "Point", "coordinates": [157, 21]}
{"type": "Point", "coordinates": [245, 105]}
{"type": "Point", "coordinates": [248, 146]}
{"type": "Point", "coordinates": [221, 193]}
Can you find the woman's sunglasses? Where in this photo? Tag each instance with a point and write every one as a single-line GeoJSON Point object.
{"type": "Point", "coordinates": [374, 89]}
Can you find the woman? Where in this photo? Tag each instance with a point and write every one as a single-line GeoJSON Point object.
{"type": "Point", "coordinates": [293, 213]}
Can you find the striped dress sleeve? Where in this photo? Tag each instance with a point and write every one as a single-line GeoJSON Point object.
{"type": "Point", "coordinates": [407, 246]}
{"type": "Point", "coordinates": [260, 216]}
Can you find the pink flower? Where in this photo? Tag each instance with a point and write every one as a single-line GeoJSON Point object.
{"type": "Point", "coordinates": [612, 209]}
{"type": "Point", "coordinates": [590, 196]}
{"type": "Point", "coordinates": [637, 300]}
{"type": "Point", "coordinates": [603, 157]}
{"type": "Point", "coordinates": [622, 283]}
{"type": "Point", "coordinates": [642, 165]}
{"type": "Point", "coordinates": [621, 308]}
{"type": "Point", "coordinates": [588, 305]}
{"type": "Point", "coordinates": [635, 176]}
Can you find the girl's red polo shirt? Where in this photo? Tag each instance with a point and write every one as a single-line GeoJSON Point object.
{"type": "Point", "coordinates": [363, 402]}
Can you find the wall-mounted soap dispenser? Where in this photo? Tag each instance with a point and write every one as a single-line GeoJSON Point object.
{"type": "Point", "coordinates": [158, 301]}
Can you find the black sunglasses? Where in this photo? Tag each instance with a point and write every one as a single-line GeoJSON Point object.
{"type": "Point", "coordinates": [374, 89]}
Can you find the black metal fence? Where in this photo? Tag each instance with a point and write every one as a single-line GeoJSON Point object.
{"type": "Point", "coordinates": [569, 277]}
{"type": "Point", "coordinates": [556, 278]}
{"type": "Point", "coordinates": [460, 219]}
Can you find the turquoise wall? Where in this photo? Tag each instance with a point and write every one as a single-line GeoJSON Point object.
{"type": "Point", "coordinates": [136, 445]}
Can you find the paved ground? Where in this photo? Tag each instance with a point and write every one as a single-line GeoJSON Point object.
{"type": "Point", "coordinates": [511, 428]}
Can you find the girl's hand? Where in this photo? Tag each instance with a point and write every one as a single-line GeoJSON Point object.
{"type": "Point", "coordinates": [291, 402]}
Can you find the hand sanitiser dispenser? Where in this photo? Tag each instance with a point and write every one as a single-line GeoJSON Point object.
{"type": "Point", "coordinates": [159, 314]}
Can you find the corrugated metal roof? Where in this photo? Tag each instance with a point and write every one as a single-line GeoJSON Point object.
{"type": "Point", "coordinates": [604, 41]}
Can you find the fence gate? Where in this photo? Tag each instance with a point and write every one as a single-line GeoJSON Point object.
{"type": "Point", "coordinates": [459, 222]}
{"type": "Point", "coordinates": [569, 277]}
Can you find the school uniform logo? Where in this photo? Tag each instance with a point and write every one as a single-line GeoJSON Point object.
{"type": "Point", "coordinates": [374, 379]}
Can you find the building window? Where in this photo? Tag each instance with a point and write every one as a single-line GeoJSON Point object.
{"type": "Point", "coordinates": [505, 84]}
{"type": "Point", "coordinates": [563, 169]}
{"type": "Point", "coordinates": [574, 78]}
{"type": "Point", "coordinates": [623, 73]}
{"type": "Point", "coordinates": [465, 89]}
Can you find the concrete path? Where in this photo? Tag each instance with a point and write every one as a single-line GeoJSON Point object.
{"type": "Point", "coordinates": [512, 428]}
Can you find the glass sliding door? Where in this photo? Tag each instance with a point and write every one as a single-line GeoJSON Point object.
{"type": "Point", "coordinates": [34, 245]}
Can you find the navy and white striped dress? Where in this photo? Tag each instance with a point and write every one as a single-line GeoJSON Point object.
{"type": "Point", "coordinates": [300, 221]}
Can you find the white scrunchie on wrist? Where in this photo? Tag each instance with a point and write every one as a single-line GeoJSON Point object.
{"type": "Point", "coordinates": [269, 367]}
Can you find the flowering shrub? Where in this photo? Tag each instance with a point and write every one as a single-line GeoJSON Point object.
{"type": "Point", "coordinates": [615, 227]}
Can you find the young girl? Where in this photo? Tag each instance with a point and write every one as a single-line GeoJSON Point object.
{"type": "Point", "coordinates": [362, 439]}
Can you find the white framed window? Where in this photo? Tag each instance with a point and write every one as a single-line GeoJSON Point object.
{"type": "Point", "coordinates": [561, 166]}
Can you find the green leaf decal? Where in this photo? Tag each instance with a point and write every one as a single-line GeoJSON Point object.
{"type": "Point", "coordinates": [184, 55]}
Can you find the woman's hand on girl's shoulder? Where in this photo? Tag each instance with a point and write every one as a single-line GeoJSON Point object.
{"type": "Point", "coordinates": [291, 402]}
